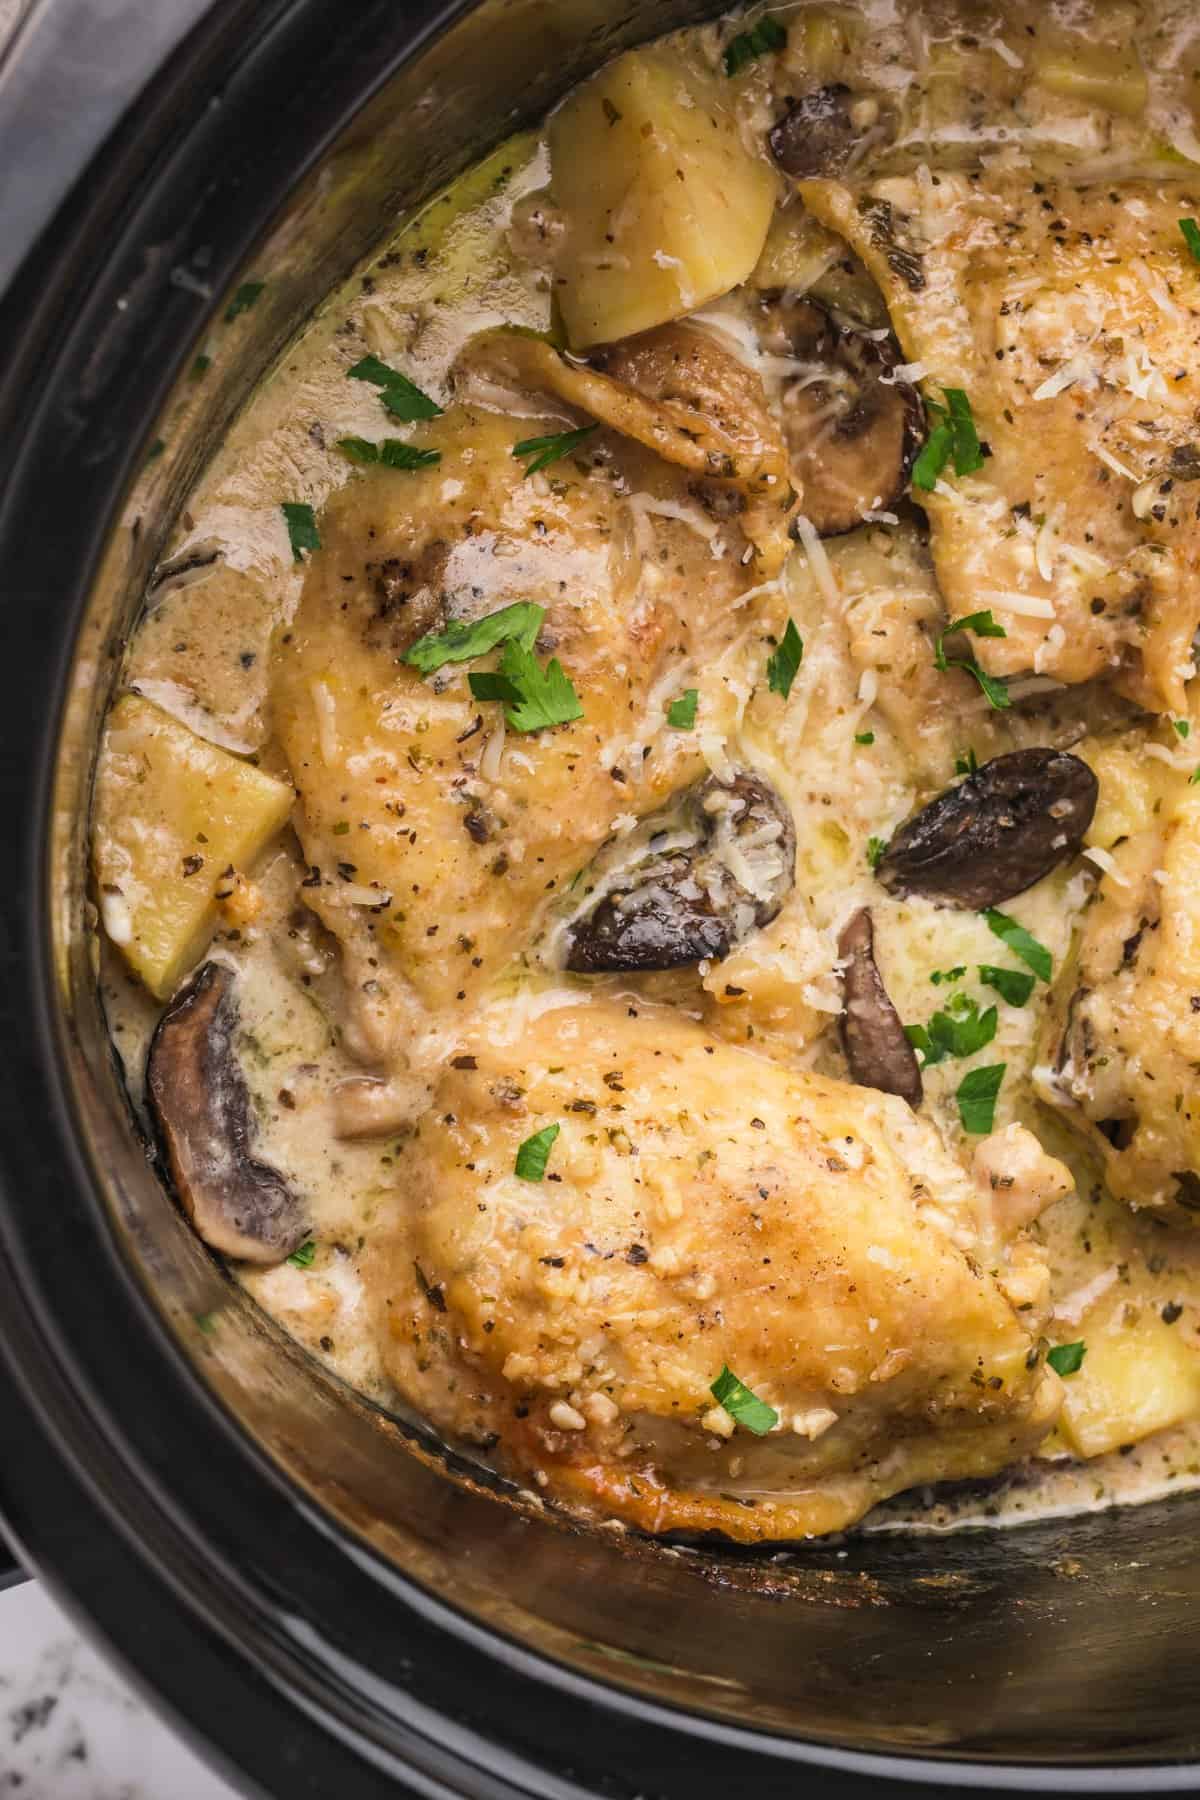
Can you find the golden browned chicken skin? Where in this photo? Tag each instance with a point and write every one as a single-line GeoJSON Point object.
{"type": "Point", "coordinates": [702, 1210]}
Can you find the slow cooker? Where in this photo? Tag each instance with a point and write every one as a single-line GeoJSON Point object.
{"type": "Point", "coordinates": [316, 1592]}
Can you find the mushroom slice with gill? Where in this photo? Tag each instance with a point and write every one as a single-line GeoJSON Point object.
{"type": "Point", "coordinates": [877, 1052]}
{"type": "Point", "coordinates": [240, 1206]}
{"type": "Point", "coordinates": [690, 883]}
{"type": "Point", "coordinates": [681, 394]}
{"type": "Point", "coordinates": [853, 428]}
{"type": "Point", "coordinates": [995, 834]}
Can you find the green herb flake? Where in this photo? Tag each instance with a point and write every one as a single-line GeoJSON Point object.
{"type": "Point", "coordinates": [200, 367]}
{"type": "Point", "coordinates": [156, 449]}
{"type": "Point", "coordinates": [876, 846]}
{"type": "Point", "coordinates": [301, 527]}
{"type": "Point", "coordinates": [463, 642]}
{"type": "Point", "coordinates": [976, 1097]}
{"type": "Point", "coordinates": [1182, 727]}
{"type": "Point", "coordinates": [342, 828]}
{"type": "Point", "coordinates": [1194, 777]}
{"type": "Point", "coordinates": [534, 1153]}
{"type": "Point", "coordinates": [864, 737]}
{"type": "Point", "coordinates": [1067, 1359]}
{"type": "Point", "coordinates": [1034, 955]}
{"type": "Point", "coordinates": [954, 974]}
{"type": "Point", "coordinates": [402, 397]}
{"type": "Point", "coordinates": [966, 763]}
{"type": "Point", "coordinates": [534, 698]}
{"type": "Point", "coordinates": [1012, 985]}
{"type": "Point", "coordinates": [960, 1030]}
{"type": "Point", "coordinates": [762, 39]}
{"type": "Point", "coordinates": [392, 453]}
{"type": "Point", "coordinates": [742, 1405]}
{"type": "Point", "coordinates": [245, 297]}
{"type": "Point", "coordinates": [542, 451]}
{"type": "Point", "coordinates": [303, 1257]}
{"type": "Point", "coordinates": [784, 661]}
{"type": "Point", "coordinates": [952, 437]}
{"type": "Point", "coordinates": [1191, 236]}
{"type": "Point", "coordinates": [982, 624]}
{"type": "Point", "coordinates": [682, 712]}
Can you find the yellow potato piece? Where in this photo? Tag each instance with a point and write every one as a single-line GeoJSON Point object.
{"type": "Point", "coordinates": [665, 206]}
{"type": "Point", "coordinates": [1140, 1375]}
{"type": "Point", "coordinates": [1106, 75]}
{"type": "Point", "coordinates": [173, 813]}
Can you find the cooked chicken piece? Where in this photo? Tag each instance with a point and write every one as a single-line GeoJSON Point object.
{"type": "Point", "coordinates": [433, 835]}
{"type": "Point", "coordinates": [705, 1209]}
{"type": "Point", "coordinates": [1129, 1045]}
{"type": "Point", "coordinates": [1071, 318]}
{"type": "Point", "coordinates": [682, 395]}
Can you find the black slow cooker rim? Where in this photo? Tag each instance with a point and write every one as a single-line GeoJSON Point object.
{"type": "Point", "coordinates": [209, 1636]}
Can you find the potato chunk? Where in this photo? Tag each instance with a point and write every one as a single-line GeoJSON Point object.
{"type": "Point", "coordinates": [1139, 1376]}
{"type": "Point", "coordinates": [665, 207]}
{"type": "Point", "coordinates": [173, 814]}
{"type": "Point", "coordinates": [1106, 75]}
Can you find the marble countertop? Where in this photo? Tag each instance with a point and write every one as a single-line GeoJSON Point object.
{"type": "Point", "coordinates": [70, 1728]}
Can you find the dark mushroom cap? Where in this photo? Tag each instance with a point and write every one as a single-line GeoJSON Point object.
{"type": "Point", "coordinates": [718, 862]}
{"type": "Point", "coordinates": [853, 430]}
{"type": "Point", "coordinates": [996, 833]}
{"type": "Point", "coordinates": [877, 1051]}
{"type": "Point", "coordinates": [815, 136]}
{"type": "Point", "coordinates": [240, 1206]}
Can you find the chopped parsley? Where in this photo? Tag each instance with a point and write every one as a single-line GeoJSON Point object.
{"type": "Point", "coordinates": [542, 451]}
{"type": "Point", "coordinates": [534, 698]}
{"type": "Point", "coordinates": [864, 737]}
{"type": "Point", "coordinates": [534, 1153]}
{"type": "Point", "coordinates": [742, 1405]}
{"type": "Point", "coordinates": [966, 763]}
{"type": "Point", "coordinates": [1012, 985]}
{"type": "Point", "coordinates": [245, 297]}
{"type": "Point", "coordinates": [983, 625]}
{"type": "Point", "coordinates": [462, 641]}
{"type": "Point", "coordinates": [1182, 727]}
{"type": "Point", "coordinates": [156, 449]}
{"type": "Point", "coordinates": [1067, 1359]}
{"type": "Point", "coordinates": [682, 712]}
{"type": "Point", "coordinates": [1034, 955]}
{"type": "Point", "coordinates": [875, 850]}
{"type": "Point", "coordinates": [960, 1030]}
{"type": "Point", "coordinates": [1194, 777]}
{"type": "Point", "coordinates": [954, 974]}
{"type": "Point", "coordinates": [953, 436]}
{"type": "Point", "coordinates": [393, 453]}
{"type": "Point", "coordinates": [976, 1097]}
{"type": "Point", "coordinates": [402, 397]}
{"type": "Point", "coordinates": [301, 528]}
{"type": "Point", "coordinates": [785, 660]}
{"type": "Point", "coordinates": [200, 367]}
{"type": "Point", "coordinates": [303, 1257]}
{"type": "Point", "coordinates": [1191, 236]}
{"type": "Point", "coordinates": [763, 38]}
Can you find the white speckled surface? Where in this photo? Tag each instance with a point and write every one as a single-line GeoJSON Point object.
{"type": "Point", "coordinates": [70, 1729]}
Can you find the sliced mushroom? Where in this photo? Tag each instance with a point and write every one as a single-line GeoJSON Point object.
{"type": "Point", "coordinates": [240, 1206]}
{"type": "Point", "coordinates": [996, 833]}
{"type": "Point", "coordinates": [676, 390]}
{"type": "Point", "coordinates": [816, 135]}
{"type": "Point", "coordinates": [853, 429]}
{"type": "Point", "coordinates": [691, 883]}
{"type": "Point", "coordinates": [877, 1051]}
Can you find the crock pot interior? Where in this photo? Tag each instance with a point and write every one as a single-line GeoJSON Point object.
{"type": "Point", "coordinates": [1061, 1643]}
